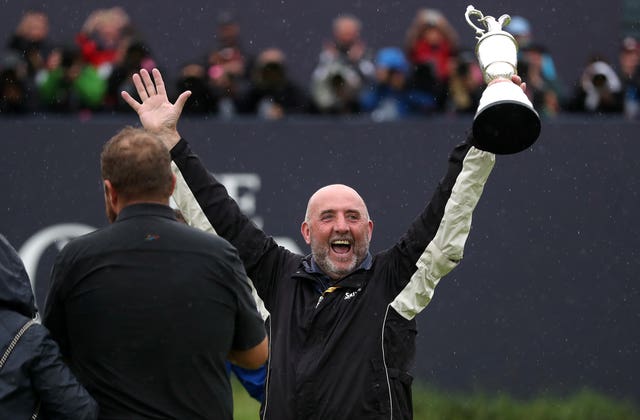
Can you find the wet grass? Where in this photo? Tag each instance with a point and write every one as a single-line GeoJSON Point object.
{"type": "Point", "coordinates": [244, 407]}
{"type": "Point", "coordinates": [431, 404]}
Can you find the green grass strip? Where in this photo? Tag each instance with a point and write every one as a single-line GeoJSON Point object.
{"type": "Point", "coordinates": [431, 404]}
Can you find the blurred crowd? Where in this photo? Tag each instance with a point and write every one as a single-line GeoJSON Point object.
{"type": "Point", "coordinates": [430, 74]}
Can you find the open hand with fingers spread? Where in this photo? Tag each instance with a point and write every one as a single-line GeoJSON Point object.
{"type": "Point", "coordinates": [157, 114]}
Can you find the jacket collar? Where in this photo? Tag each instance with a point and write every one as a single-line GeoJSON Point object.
{"type": "Point", "coordinates": [313, 270]}
{"type": "Point", "coordinates": [146, 209]}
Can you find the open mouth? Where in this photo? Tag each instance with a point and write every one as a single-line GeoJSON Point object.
{"type": "Point", "coordinates": [341, 246]}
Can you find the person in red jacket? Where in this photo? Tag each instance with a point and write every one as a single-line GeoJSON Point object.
{"type": "Point", "coordinates": [104, 37]}
{"type": "Point", "coordinates": [431, 45]}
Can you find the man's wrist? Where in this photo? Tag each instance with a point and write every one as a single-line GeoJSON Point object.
{"type": "Point", "coordinates": [169, 138]}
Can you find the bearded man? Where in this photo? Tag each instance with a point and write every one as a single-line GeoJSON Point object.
{"type": "Point", "coordinates": [342, 327]}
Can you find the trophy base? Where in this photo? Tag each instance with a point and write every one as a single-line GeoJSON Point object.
{"type": "Point", "coordinates": [506, 127]}
{"type": "Point", "coordinates": [506, 122]}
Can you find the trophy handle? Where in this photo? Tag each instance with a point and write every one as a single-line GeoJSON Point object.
{"type": "Point", "coordinates": [504, 20]}
{"type": "Point", "coordinates": [489, 22]}
{"type": "Point", "coordinates": [472, 11]}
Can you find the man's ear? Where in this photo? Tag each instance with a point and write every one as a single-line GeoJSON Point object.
{"type": "Point", "coordinates": [306, 234]}
{"type": "Point", "coordinates": [173, 182]}
{"type": "Point", "coordinates": [110, 193]}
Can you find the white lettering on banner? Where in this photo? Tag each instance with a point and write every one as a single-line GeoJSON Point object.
{"type": "Point", "coordinates": [241, 187]}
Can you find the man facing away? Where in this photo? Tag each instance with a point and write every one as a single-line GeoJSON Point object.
{"type": "Point", "coordinates": [342, 320]}
{"type": "Point", "coordinates": [147, 310]}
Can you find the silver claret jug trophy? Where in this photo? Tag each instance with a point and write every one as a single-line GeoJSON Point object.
{"type": "Point", "coordinates": [505, 121]}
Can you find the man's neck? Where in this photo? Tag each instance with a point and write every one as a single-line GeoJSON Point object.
{"type": "Point", "coordinates": [127, 203]}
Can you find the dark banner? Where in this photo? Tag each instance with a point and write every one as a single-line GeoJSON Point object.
{"type": "Point", "coordinates": [545, 300]}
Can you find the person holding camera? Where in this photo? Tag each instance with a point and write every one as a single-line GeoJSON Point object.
{"type": "Point", "coordinates": [599, 90]}
{"type": "Point", "coordinates": [272, 94]}
{"type": "Point", "coordinates": [344, 69]}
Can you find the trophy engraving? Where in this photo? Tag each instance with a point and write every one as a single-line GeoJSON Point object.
{"type": "Point", "coordinates": [505, 121]}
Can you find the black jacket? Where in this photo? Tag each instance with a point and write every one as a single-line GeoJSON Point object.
{"type": "Point", "coordinates": [344, 354]}
{"type": "Point", "coordinates": [34, 371]}
{"type": "Point", "coordinates": [147, 310]}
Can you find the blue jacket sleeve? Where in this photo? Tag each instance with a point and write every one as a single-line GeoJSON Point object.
{"type": "Point", "coordinates": [252, 380]}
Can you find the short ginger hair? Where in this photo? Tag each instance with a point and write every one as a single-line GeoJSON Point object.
{"type": "Point", "coordinates": [138, 165]}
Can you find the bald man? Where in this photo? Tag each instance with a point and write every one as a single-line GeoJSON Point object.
{"type": "Point", "coordinates": [338, 229]}
{"type": "Point", "coordinates": [342, 320]}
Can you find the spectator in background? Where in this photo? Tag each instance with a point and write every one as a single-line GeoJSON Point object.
{"type": "Point", "coordinates": [70, 84]}
{"type": "Point", "coordinates": [138, 56]}
{"type": "Point", "coordinates": [219, 80]}
{"type": "Point", "coordinates": [599, 89]}
{"type": "Point", "coordinates": [466, 84]}
{"type": "Point", "coordinates": [629, 60]}
{"type": "Point", "coordinates": [14, 86]}
{"type": "Point", "coordinates": [521, 30]}
{"type": "Point", "coordinates": [110, 44]}
{"type": "Point", "coordinates": [542, 92]}
{"type": "Point", "coordinates": [335, 89]}
{"type": "Point", "coordinates": [431, 43]}
{"type": "Point", "coordinates": [104, 38]}
{"type": "Point", "coordinates": [26, 54]}
{"type": "Point", "coordinates": [272, 94]}
{"type": "Point", "coordinates": [392, 97]}
{"type": "Point", "coordinates": [344, 68]}
{"type": "Point", "coordinates": [30, 41]}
